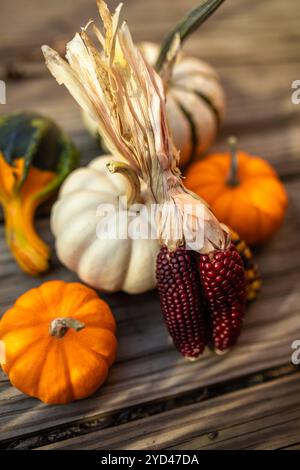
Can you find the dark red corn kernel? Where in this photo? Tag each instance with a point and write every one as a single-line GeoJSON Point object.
{"type": "Point", "coordinates": [179, 288]}
{"type": "Point", "coordinates": [225, 298]}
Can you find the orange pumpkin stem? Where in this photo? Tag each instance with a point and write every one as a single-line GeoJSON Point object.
{"type": "Point", "coordinates": [232, 179]}
{"type": "Point", "coordinates": [60, 326]}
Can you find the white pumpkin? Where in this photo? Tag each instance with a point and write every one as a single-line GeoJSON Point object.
{"type": "Point", "coordinates": [107, 264]}
{"type": "Point", "coordinates": [195, 104]}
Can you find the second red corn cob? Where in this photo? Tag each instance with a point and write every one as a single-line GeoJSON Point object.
{"type": "Point", "coordinates": [203, 301]}
{"type": "Point", "coordinates": [223, 281]}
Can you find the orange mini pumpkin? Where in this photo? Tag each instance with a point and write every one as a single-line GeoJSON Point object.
{"type": "Point", "coordinates": [243, 191]}
{"type": "Point", "coordinates": [59, 342]}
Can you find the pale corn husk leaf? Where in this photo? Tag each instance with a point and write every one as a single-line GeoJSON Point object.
{"type": "Point", "coordinates": [125, 96]}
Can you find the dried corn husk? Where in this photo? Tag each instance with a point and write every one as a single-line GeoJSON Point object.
{"type": "Point", "coordinates": [125, 96]}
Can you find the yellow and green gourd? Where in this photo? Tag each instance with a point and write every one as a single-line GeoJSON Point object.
{"type": "Point", "coordinates": [35, 158]}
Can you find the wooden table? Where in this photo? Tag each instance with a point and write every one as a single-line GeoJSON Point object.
{"type": "Point", "coordinates": [154, 399]}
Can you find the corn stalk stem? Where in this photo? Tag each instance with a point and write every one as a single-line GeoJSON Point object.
{"type": "Point", "coordinates": [189, 23]}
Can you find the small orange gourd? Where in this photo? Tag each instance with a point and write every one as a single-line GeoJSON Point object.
{"type": "Point", "coordinates": [243, 191]}
{"type": "Point", "coordinates": [59, 342]}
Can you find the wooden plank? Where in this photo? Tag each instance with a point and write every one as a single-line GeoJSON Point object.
{"type": "Point", "coordinates": [294, 447]}
{"type": "Point", "coordinates": [257, 60]}
{"type": "Point", "coordinates": [148, 368]}
{"type": "Point", "coordinates": [266, 122]}
{"type": "Point", "coordinates": [265, 416]}
{"type": "Point", "coordinates": [258, 95]}
{"type": "Point", "coordinates": [279, 255]}
{"type": "Point", "coordinates": [58, 21]}
{"type": "Point", "coordinates": [265, 32]}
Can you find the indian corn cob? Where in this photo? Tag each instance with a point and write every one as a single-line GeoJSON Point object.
{"type": "Point", "coordinates": [202, 301]}
{"type": "Point", "coordinates": [179, 289]}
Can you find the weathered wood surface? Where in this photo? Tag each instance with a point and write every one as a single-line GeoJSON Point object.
{"type": "Point", "coordinates": [148, 367]}
{"type": "Point", "coordinates": [265, 416]}
{"type": "Point", "coordinates": [255, 47]}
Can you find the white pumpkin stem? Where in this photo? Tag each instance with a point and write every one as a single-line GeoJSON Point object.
{"type": "Point", "coordinates": [59, 326]}
{"type": "Point", "coordinates": [134, 194]}
{"type": "Point", "coordinates": [233, 179]}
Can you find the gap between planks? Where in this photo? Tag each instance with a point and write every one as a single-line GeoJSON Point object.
{"type": "Point", "coordinates": [264, 416]}
{"type": "Point", "coordinates": [137, 412]}
{"type": "Point", "coordinates": [263, 343]}
{"type": "Point", "coordinates": [148, 367]}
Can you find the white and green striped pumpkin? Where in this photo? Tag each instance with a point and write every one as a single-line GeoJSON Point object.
{"type": "Point", "coordinates": [195, 103]}
{"type": "Point", "coordinates": [195, 97]}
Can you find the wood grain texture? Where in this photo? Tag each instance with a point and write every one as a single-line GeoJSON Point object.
{"type": "Point", "coordinates": [260, 113]}
{"type": "Point", "coordinates": [262, 417]}
{"type": "Point", "coordinates": [148, 368]}
{"type": "Point", "coordinates": [240, 32]}
{"type": "Point", "coordinates": [255, 48]}
{"type": "Point", "coordinates": [259, 107]}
